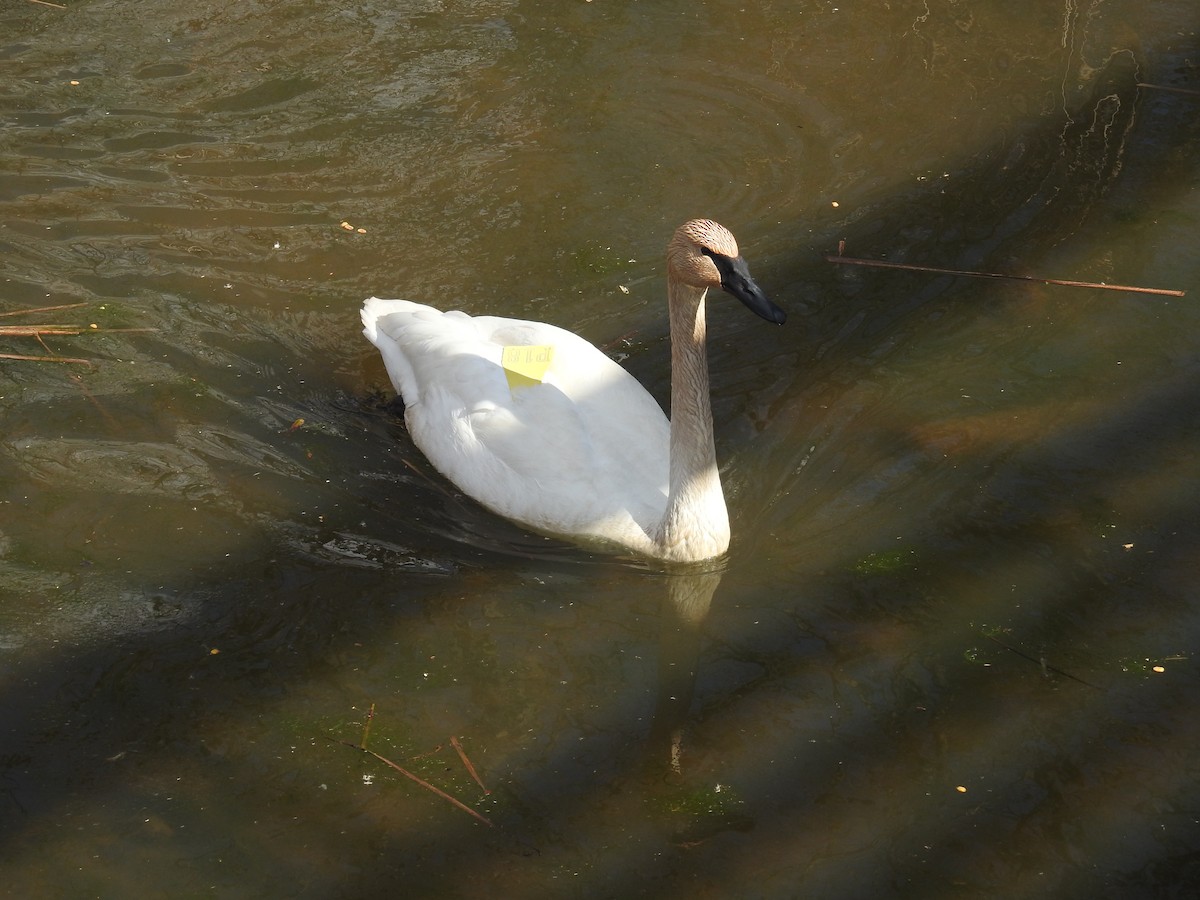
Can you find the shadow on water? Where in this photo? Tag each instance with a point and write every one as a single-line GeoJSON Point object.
{"type": "Point", "coordinates": [1068, 774]}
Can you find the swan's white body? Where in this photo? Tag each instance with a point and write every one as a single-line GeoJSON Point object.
{"type": "Point", "coordinates": [586, 453]}
{"type": "Point", "coordinates": [583, 453]}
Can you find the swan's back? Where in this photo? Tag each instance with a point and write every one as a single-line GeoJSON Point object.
{"type": "Point", "coordinates": [582, 453]}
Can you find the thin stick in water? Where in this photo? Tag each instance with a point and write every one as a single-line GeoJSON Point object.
{"type": "Point", "coordinates": [41, 309]}
{"type": "Point", "coordinates": [54, 359]}
{"type": "Point", "coordinates": [429, 787]}
{"type": "Point", "coordinates": [362, 744]}
{"type": "Point", "coordinates": [34, 330]}
{"type": "Point", "coordinates": [935, 270]}
{"type": "Point", "coordinates": [462, 754]}
{"type": "Point", "coordinates": [1173, 90]}
{"type": "Point", "coordinates": [423, 783]}
{"type": "Point", "coordinates": [1041, 662]}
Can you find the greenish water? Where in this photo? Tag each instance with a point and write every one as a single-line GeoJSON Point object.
{"type": "Point", "coordinates": [952, 653]}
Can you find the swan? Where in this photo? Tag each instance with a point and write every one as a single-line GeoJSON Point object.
{"type": "Point", "coordinates": [542, 428]}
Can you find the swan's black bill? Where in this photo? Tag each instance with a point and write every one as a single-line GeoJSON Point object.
{"type": "Point", "coordinates": [736, 280]}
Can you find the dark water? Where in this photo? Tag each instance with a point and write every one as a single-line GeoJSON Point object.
{"type": "Point", "coordinates": [953, 651]}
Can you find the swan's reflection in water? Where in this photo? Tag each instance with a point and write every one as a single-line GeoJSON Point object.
{"type": "Point", "coordinates": [688, 598]}
{"type": "Point", "coordinates": [698, 805]}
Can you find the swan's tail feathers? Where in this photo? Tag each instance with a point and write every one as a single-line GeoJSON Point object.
{"type": "Point", "coordinates": [376, 308]}
{"type": "Point", "coordinates": [382, 320]}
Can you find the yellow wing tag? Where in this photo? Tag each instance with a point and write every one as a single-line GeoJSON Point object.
{"type": "Point", "coordinates": [527, 365]}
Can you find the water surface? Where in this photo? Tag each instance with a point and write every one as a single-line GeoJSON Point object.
{"type": "Point", "coordinates": [952, 651]}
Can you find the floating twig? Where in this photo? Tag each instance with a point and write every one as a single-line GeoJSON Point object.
{"type": "Point", "coordinates": [35, 330]}
{"type": "Point", "coordinates": [55, 359]}
{"type": "Point", "coordinates": [41, 309]}
{"type": "Point", "coordinates": [48, 3]}
{"type": "Point", "coordinates": [423, 783]}
{"type": "Point", "coordinates": [362, 748]}
{"type": "Point", "coordinates": [38, 331]}
{"type": "Point", "coordinates": [1173, 90]}
{"type": "Point", "coordinates": [362, 744]}
{"type": "Point", "coordinates": [909, 267]}
{"type": "Point", "coordinates": [462, 754]}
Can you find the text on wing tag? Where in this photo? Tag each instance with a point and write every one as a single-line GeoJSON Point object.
{"type": "Point", "coordinates": [526, 365]}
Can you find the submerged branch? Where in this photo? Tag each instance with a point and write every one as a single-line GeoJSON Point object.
{"type": "Point", "coordinates": [1046, 667]}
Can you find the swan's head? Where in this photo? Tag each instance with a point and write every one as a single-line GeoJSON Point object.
{"type": "Point", "coordinates": [704, 254]}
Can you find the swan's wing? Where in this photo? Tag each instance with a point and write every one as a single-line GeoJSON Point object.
{"type": "Point", "coordinates": [584, 452]}
{"type": "Point", "coordinates": [422, 347]}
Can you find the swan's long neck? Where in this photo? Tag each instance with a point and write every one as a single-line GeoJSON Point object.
{"type": "Point", "coordinates": [695, 525]}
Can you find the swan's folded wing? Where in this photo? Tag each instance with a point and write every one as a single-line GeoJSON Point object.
{"type": "Point", "coordinates": [573, 455]}
{"type": "Point", "coordinates": [583, 452]}
{"type": "Point", "coordinates": [422, 347]}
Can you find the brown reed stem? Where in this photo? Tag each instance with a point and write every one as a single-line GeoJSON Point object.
{"type": "Point", "coordinates": [423, 783]}
{"type": "Point", "coordinates": [54, 359]}
{"type": "Point", "coordinates": [41, 309]}
{"type": "Point", "coordinates": [1173, 90]}
{"type": "Point", "coordinates": [935, 270]}
{"type": "Point", "coordinates": [462, 755]}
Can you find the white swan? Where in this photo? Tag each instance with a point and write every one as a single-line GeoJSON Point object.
{"type": "Point", "coordinates": [574, 447]}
